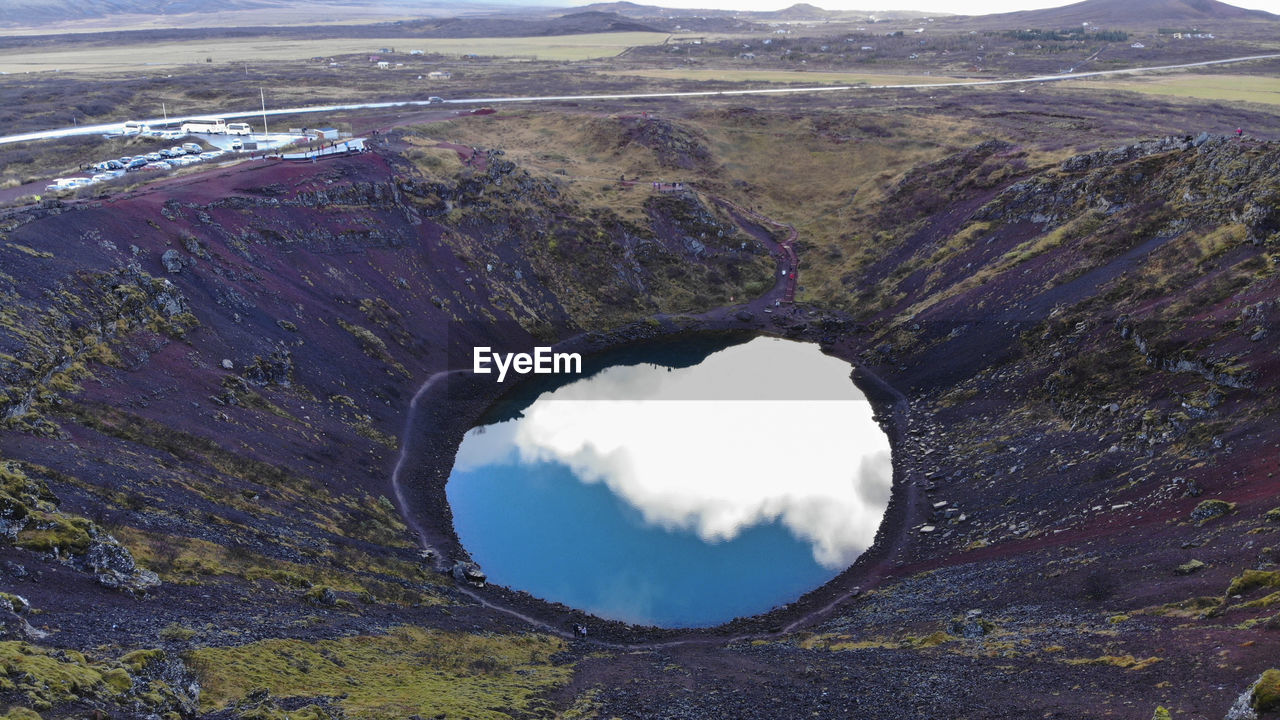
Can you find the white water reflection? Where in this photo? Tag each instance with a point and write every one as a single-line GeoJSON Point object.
{"type": "Point", "coordinates": [790, 440]}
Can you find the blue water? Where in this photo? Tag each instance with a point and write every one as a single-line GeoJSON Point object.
{"type": "Point", "coordinates": [678, 497]}
{"type": "Point", "coordinates": [538, 526]}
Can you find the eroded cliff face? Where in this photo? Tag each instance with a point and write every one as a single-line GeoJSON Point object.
{"type": "Point", "coordinates": [207, 384]}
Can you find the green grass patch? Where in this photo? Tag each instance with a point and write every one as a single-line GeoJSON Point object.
{"type": "Point", "coordinates": [408, 671]}
{"type": "Point", "coordinates": [1253, 579]}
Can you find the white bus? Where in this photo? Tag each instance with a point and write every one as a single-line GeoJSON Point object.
{"type": "Point", "coordinates": [239, 129]}
{"type": "Point", "coordinates": [212, 126]}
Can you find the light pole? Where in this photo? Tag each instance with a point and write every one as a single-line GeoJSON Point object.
{"type": "Point", "coordinates": [262, 96]}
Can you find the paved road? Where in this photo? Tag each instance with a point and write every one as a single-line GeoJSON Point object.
{"type": "Point", "coordinates": [110, 127]}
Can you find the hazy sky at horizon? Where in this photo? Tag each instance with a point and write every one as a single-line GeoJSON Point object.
{"type": "Point", "coordinates": [955, 7]}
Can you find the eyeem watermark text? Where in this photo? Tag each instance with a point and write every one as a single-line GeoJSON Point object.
{"type": "Point", "coordinates": [541, 362]}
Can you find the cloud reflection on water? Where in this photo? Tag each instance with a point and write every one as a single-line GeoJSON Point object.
{"type": "Point", "coordinates": [787, 437]}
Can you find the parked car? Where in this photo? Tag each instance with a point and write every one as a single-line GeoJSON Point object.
{"type": "Point", "coordinates": [193, 148]}
{"type": "Point", "coordinates": [178, 151]}
{"type": "Point", "coordinates": [157, 166]}
{"type": "Point", "coordinates": [125, 160]}
{"type": "Point", "coordinates": [237, 144]}
{"type": "Point", "coordinates": [167, 153]}
{"type": "Point", "coordinates": [110, 175]}
{"type": "Point", "coordinates": [207, 156]}
{"type": "Point", "coordinates": [154, 157]}
{"type": "Point", "coordinates": [136, 163]}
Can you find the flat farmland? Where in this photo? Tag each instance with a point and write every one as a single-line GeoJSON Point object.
{"type": "Point", "coordinates": [1264, 89]}
{"type": "Point", "coordinates": [783, 77]}
{"type": "Point", "coordinates": [93, 57]}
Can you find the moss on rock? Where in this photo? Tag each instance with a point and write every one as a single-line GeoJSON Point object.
{"type": "Point", "coordinates": [410, 670]}
{"type": "Point", "coordinates": [1252, 579]}
{"type": "Point", "coordinates": [1190, 567]}
{"type": "Point", "coordinates": [140, 660]}
{"type": "Point", "coordinates": [47, 678]}
{"type": "Point", "coordinates": [1266, 694]}
{"type": "Point", "coordinates": [14, 603]}
{"type": "Point", "coordinates": [1210, 509]}
{"type": "Point", "coordinates": [55, 532]}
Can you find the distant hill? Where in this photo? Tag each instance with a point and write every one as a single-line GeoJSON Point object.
{"type": "Point", "coordinates": [509, 26]}
{"type": "Point", "coordinates": [1128, 13]}
{"type": "Point", "coordinates": [629, 9]}
{"type": "Point", "coordinates": [90, 15]}
{"type": "Point", "coordinates": [798, 11]}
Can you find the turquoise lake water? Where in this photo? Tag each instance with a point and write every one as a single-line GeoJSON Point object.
{"type": "Point", "coordinates": [678, 497]}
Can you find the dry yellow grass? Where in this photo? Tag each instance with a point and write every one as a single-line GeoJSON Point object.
{"type": "Point", "coordinates": [131, 58]}
{"type": "Point", "coordinates": [585, 152]}
{"type": "Point", "coordinates": [801, 174]}
{"type": "Point", "coordinates": [278, 16]}
{"type": "Point", "coordinates": [1262, 89]}
{"type": "Point", "coordinates": [789, 77]}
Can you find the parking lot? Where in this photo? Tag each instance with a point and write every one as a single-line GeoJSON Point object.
{"type": "Point", "coordinates": [189, 149]}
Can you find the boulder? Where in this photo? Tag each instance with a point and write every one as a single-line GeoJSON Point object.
{"type": "Point", "coordinates": [113, 566]}
{"type": "Point", "coordinates": [172, 260]}
{"type": "Point", "coordinates": [1189, 567]}
{"type": "Point", "coordinates": [468, 572]}
{"type": "Point", "coordinates": [13, 517]}
{"type": "Point", "coordinates": [1210, 509]}
{"type": "Point", "coordinates": [972, 625]}
{"type": "Point", "coordinates": [322, 596]}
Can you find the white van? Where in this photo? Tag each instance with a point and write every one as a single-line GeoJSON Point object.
{"type": "Point", "coordinates": [237, 144]}
{"type": "Point", "coordinates": [239, 129]}
{"type": "Point", "coordinates": [134, 127]}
